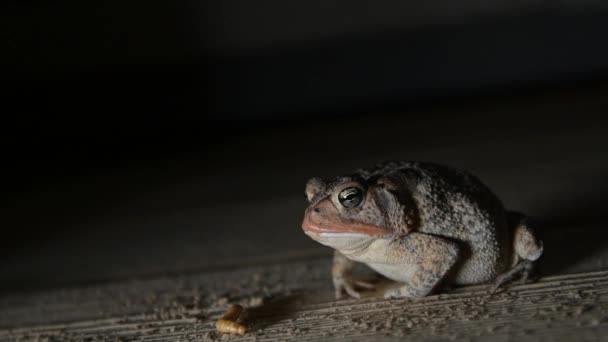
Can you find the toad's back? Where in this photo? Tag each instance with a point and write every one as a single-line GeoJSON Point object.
{"type": "Point", "coordinates": [455, 204]}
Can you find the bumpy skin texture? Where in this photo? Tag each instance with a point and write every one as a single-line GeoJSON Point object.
{"type": "Point", "coordinates": [418, 223]}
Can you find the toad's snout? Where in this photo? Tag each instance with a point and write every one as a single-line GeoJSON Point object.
{"type": "Point", "coordinates": [323, 218]}
{"type": "Point", "coordinates": [316, 218]}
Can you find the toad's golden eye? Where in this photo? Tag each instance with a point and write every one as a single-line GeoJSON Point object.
{"type": "Point", "coordinates": [350, 197]}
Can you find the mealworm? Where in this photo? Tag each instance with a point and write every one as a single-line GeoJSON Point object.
{"type": "Point", "coordinates": [228, 324]}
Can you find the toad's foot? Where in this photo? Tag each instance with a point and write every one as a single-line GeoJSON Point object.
{"type": "Point", "coordinates": [350, 285]}
{"type": "Point", "coordinates": [342, 277]}
{"type": "Point", "coordinates": [524, 269]}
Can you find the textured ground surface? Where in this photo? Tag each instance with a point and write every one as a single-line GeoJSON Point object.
{"type": "Point", "coordinates": [293, 300]}
{"type": "Point", "coordinates": [154, 250]}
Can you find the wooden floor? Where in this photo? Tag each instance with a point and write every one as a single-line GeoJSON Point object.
{"type": "Point", "coordinates": [156, 252]}
{"type": "Point", "coordinates": [294, 301]}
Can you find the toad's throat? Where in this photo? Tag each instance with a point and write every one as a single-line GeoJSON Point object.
{"type": "Point", "coordinates": [319, 225]}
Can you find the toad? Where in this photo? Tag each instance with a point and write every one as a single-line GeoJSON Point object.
{"type": "Point", "coordinates": [420, 224]}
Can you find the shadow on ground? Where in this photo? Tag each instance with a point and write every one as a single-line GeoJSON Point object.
{"type": "Point", "coordinates": [575, 232]}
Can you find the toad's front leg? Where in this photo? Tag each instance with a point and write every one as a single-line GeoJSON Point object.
{"type": "Point", "coordinates": [421, 262]}
{"type": "Point", "coordinates": [341, 272]}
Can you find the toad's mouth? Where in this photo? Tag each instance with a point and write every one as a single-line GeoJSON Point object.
{"type": "Point", "coordinates": [320, 225]}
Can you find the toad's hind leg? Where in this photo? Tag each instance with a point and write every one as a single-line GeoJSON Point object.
{"type": "Point", "coordinates": [527, 249]}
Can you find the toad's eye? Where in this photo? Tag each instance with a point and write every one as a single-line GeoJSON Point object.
{"type": "Point", "coordinates": [350, 197]}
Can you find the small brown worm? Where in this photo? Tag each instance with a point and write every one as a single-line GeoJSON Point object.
{"type": "Point", "coordinates": [228, 324]}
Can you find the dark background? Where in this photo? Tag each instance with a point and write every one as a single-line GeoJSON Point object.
{"type": "Point", "coordinates": [149, 137]}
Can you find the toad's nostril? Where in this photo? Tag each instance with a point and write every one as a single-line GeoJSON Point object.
{"type": "Point", "coordinates": [316, 210]}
